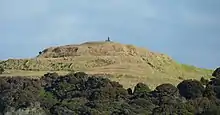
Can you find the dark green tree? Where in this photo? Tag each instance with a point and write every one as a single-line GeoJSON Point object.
{"type": "Point", "coordinates": [216, 73]}
{"type": "Point", "coordinates": [204, 81]}
{"type": "Point", "coordinates": [141, 88]}
{"type": "Point", "coordinates": [191, 89]}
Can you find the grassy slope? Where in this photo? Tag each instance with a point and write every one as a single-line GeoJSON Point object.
{"type": "Point", "coordinates": [153, 69]}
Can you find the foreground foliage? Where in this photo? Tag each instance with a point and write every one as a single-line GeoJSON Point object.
{"type": "Point", "coordinates": [82, 94]}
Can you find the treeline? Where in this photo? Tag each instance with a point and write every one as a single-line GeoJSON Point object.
{"type": "Point", "coordinates": [82, 94]}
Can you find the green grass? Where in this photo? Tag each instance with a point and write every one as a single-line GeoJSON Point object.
{"type": "Point", "coordinates": [192, 68]}
{"type": "Point", "coordinates": [128, 78]}
{"type": "Point", "coordinates": [30, 73]}
{"type": "Point", "coordinates": [126, 70]}
{"type": "Point", "coordinates": [126, 64]}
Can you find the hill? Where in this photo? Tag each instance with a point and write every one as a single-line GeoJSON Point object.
{"type": "Point", "coordinates": [124, 63]}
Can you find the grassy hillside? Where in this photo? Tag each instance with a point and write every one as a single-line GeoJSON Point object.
{"type": "Point", "coordinates": [125, 63]}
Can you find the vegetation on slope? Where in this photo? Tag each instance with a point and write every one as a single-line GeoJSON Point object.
{"type": "Point", "coordinates": [82, 94]}
{"type": "Point", "coordinates": [1, 70]}
{"type": "Point", "coordinates": [116, 59]}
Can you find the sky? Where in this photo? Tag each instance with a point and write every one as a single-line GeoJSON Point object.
{"type": "Point", "coordinates": [186, 30]}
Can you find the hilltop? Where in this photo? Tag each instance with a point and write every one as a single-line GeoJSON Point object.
{"type": "Point", "coordinates": [125, 63]}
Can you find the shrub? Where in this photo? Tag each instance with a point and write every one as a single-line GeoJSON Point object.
{"type": "Point", "coordinates": [167, 89]}
{"type": "Point", "coordinates": [191, 89]}
{"type": "Point", "coordinates": [209, 92]}
{"type": "Point", "coordinates": [213, 110]}
{"type": "Point", "coordinates": [204, 81]}
{"type": "Point", "coordinates": [141, 88]}
{"type": "Point", "coordinates": [129, 91]}
{"type": "Point", "coordinates": [1, 70]}
{"type": "Point", "coordinates": [18, 93]}
{"type": "Point", "coordinates": [216, 73]}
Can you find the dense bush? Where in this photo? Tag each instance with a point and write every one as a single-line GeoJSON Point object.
{"type": "Point", "coordinates": [82, 94]}
{"type": "Point", "coordinates": [167, 89]}
{"type": "Point", "coordinates": [216, 73]}
{"type": "Point", "coordinates": [141, 88]}
{"type": "Point", "coordinates": [191, 89]}
{"type": "Point", "coordinates": [204, 81]}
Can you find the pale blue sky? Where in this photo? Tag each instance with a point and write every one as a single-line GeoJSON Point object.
{"type": "Point", "coordinates": [186, 30]}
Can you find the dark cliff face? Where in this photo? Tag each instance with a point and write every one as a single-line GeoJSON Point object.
{"type": "Point", "coordinates": [82, 94]}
